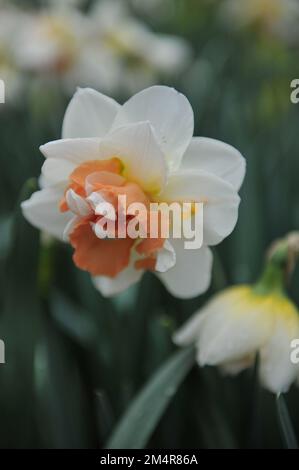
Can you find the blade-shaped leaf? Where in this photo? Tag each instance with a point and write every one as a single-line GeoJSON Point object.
{"type": "Point", "coordinates": [285, 424]}
{"type": "Point", "coordinates": [19, 328]}
{"type": "Point", "coordinates": [140, 420]}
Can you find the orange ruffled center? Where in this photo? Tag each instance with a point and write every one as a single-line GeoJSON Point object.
{"type": "Point", "coordinates": [107, 256]}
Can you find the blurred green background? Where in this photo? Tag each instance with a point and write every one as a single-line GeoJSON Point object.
{"type": "Point", "coordinates": [74, 360]}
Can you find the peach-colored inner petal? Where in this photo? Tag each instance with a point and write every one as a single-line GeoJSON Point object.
{"type": "Point", "coordinates": [147, 264]}
{"type": "Point", "coordinates": [106, 257]}
{"type": "Point", "coordinates": [80, 174]}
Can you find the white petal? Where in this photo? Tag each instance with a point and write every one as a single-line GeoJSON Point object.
{"type": "Point", "coordinates": [236, 324]}
{"type": "Point", "coordinates": [235, 367]}
{"type": "Point", "coordinates": [89, 114]}
{"type": "Point", "coordinates": [75, 151]}
{"type": "Point", "coordinates": [70, 227]}
{"type": "Point", "coordinates": [221, 201]}
{"type": "Point", "coordinates": [170, 114]}
{"type": "Point", "coordinates": [136, 146]}
{"type": "Point", "coordinates": [42, 211]}
{"type": "Point", "coordinates": [277, 372]}
{"type": "Point", "coordinates": [101, 206]}
{"type": "Point", "coordinates": [189, 332]}
{"type": "Point", "coordinates": [215, 157]}
{"type": "Point", "coordinates": [191, 274]}
{"type": "Point", "coordinates": [111, 286]}
{"type": "Point", "coordinates": [56, 171]}
{"type": "Point", "coordinates": [77, 204]}
{"type": "Point", "coordinates": [166, 258]}
{"type": "Point", "coordinates": [95, 199]}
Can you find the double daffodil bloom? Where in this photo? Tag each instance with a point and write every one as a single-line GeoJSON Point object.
{"type": "Point", "coordinates": [143, 150]}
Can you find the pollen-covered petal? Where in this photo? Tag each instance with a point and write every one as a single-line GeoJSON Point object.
{"type": "Point", "coordinates": [191, 274]}
{"type": "Point", "coordinates": [236, 323]}
{"type": "Point", "coordinates": [277, 372]}
{"type": "Point", "coordinates": [100, 257]}
{"type": "Point", "coordinates": [170, 114]}
{"type": "Point", "coordinates": [216, 157]}
{"type": "Point", "coordinates": [42, 211]}
{"type": "Point", "coordinates": [135, 145]}
{"type": "Point", "coordinates": [75, 151]}
{"type": "Point", "coordinates": [220, 201]}
{"type": "Point", "coordinates": [89, 114]}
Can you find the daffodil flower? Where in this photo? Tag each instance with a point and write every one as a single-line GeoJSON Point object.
{"type": "Point", "coordinates": [106, 47]}
{"type": "Point", "coordinates": [145, 151]}
{"type": "Point", "coordinates": [279, 17]}
{"type": "Point", "coordinates": [10, 22]}
{"type": "Point", "coordinates": [53, 43]}
{"type": "Point", "coordinates": [136, 54]}
{"type": "Point", "coordinates": [243, 321]}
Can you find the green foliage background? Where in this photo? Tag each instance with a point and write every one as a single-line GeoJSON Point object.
{"type": "Point", "coordinates": [74, 360]}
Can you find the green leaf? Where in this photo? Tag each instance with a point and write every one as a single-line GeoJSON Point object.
{"type": "Point", "coordinates": [138, 423]}
{"type": "Point", "coordinates": [73, 320]}
{"type": "Point", "coordinates": [19, 328]}
{"type": "Point", "coordinates": [64, 398]}
{"type": "Point", "coordinates": [285, 424]}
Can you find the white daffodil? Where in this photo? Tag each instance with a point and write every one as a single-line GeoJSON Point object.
{"type": "Point", "coordinates": [143, 150]}
{"type": "Point", "coordinates": [10, 22]}
{"type": "Point", "coordinates": [245, 320]}
{"type": "Point", "coordinates": [275, 16]}
{"type": "Point", "coordinates": [136, 56]}
{"type": "Point", "coordinates": [55, 44]}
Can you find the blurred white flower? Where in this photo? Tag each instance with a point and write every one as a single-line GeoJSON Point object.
{"type": "Point", "coordinates": [145, 151]}
{"type": "Point", "coordinates": [279, 17]}
{"type": "Point", "coordinates": [106, 48]}
{"type": "Point", "coordinates": [242, 321]}
{"type": "Point", "coordinates": [10, 22]}
{"type": "Point", "coordinates": [63, 4]}
{"type": "Point", "coordinates": [54, 44]}
{"type": "Point", "coordinates": [150, 7]}
{"type": "Point", "coordinates": [137, 55]}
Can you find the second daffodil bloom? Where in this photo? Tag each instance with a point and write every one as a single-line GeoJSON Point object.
{"type": "Point", "coordinates": [54, 43]}
{"type": "Point", "coordinates": [245, 320]}
{"type": "Point", "coordinates": [143, 150]}
{"type": "Point", "coordinates": [278, 17]}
